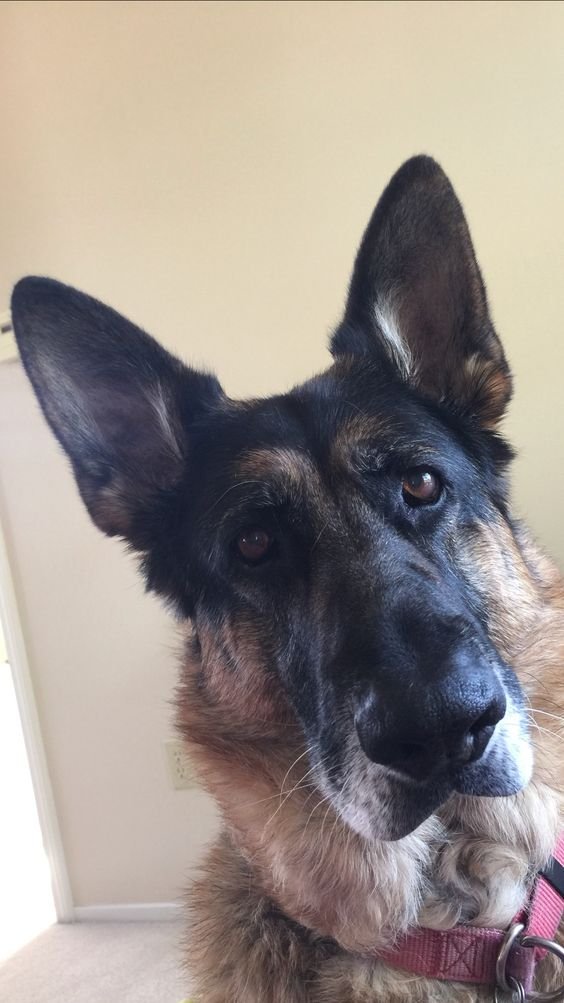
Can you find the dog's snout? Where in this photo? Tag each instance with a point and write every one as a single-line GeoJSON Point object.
{"type": "Point", "coordinates": [423, 731]}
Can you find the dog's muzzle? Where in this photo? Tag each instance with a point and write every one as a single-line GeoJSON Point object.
{"type": "Point", "coordinates": [424, 728]}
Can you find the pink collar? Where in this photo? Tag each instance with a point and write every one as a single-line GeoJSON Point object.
{"type": "Point", "coordinates": [485, 955]}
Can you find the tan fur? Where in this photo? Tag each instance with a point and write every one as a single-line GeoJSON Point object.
{"type": "Point", "coordinates": [484, 387]}
{"type": "Point", "coordinates": [290, 464]}
{"type": "Point", "coordinates": [289, 860]}
{"type": "Point", "coordinates": [353, 445]}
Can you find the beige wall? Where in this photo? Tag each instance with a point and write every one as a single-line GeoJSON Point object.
{"type": "Point", "coordinates": [208, 169]}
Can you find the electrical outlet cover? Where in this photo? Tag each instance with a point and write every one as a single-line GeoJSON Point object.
{"type": "Point", "coordinates": [180, 766]}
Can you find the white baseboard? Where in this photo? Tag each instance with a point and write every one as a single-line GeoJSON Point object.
{"type": "Point", "coordinates": [135, 913]}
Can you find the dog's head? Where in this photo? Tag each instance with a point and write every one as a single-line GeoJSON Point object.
{"type": "Point", "coordinates": [342, 544]}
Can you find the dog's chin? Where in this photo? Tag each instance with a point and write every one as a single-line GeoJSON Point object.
{"type": "Point", "coordinates": [385, 805]}
{"type": "Point", "coordinates": [408, 805]}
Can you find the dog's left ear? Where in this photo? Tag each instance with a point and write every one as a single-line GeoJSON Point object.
{"type": "Point", "coordinates": [417, 295]}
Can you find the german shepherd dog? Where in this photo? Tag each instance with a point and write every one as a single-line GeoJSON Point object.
{"type": "Point", "coordinates": [372, 679]}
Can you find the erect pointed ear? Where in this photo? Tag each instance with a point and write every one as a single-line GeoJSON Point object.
{"type": "Point", "coordinates": [417, 295]}
{"type": "Point", "coordinates": [120, 405]}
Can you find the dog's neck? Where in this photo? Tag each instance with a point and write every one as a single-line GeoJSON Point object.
{"type": "Point", "coordinates": [473, 862]}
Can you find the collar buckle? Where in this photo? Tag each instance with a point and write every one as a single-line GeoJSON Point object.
{"type": "Point", "coordinates": [511, 987]}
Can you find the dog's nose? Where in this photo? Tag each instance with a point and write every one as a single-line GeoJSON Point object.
{"type": "Point", "coordinates": [425, 731]}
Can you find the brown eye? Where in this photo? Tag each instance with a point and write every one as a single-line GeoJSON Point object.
{"type": "Point", "coordinates": [254, 544]}
{"type": "Point", "coordinates": [420, 487]}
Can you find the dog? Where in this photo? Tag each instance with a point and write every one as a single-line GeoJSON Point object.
{"type": "Point", "coordinates": [372, 681]}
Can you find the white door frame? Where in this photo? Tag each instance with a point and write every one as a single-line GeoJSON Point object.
{"type": "Point", "coordinates": [17, 657]}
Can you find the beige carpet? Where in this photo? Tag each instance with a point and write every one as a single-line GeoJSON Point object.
{"type": "Point", "coordinates": [98, 963]}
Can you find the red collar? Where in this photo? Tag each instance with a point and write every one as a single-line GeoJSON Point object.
{"type": "Point", "coordinates": [485, 955]}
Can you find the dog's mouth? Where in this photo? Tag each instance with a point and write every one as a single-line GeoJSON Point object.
{"type": "Point", "coordinates": [380, 803]}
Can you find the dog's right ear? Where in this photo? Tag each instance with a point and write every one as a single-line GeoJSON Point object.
{"type": "Point", "coordinates": [120, 405]}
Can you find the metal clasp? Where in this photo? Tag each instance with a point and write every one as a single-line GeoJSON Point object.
{"type": "Point", "coordinates": [509, 989]}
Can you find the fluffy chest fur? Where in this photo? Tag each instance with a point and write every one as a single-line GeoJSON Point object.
{"type": "Point", "coordinates": [303, 905]}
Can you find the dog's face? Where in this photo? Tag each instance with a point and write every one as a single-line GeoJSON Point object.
{"type": "Point", "coordinates": [335, 544]}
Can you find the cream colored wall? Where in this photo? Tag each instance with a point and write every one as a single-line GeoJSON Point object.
{"type": "Point", "coordinates": [208, 170]}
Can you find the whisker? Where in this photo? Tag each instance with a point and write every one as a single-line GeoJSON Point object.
{"type": "Point", "coordinates": [240, 484]}
{"type": "Point", "coordinates": [289, 793]}
{"type": "Point", "coordinates": [272, 797]}
{"type": "Point", "coordinates": [545, 713]}
{"type": "Point", "coordinates": [545, 731]}
{"type": "Point", "coordinates": [319, 803]}
{"type": "Point", "coordinates": [318, 537]}
{"type": "Point", "coordinates": [290, 768]}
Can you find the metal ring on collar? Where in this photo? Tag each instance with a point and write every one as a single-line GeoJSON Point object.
{"type": "Point", "coordinates": [552, 947]}
{"type": "Point", "coordinates": [516, 990]}
{"type": "Point", "coordinates": [510, 941]}
{"type": "Point", "coordinates": [511, 986]}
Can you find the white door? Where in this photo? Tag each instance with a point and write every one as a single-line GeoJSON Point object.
{"type": "Point", "coordinates": [26, 897]}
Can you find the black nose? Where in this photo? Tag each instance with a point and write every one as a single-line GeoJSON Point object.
{"type": "Point", "coordinates": [426, 731]}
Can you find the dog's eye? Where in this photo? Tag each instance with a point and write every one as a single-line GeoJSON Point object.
{"type": "Point", "coordinates": [254, 544]}
{"type": "Point", "coordinates": [420, 487]}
